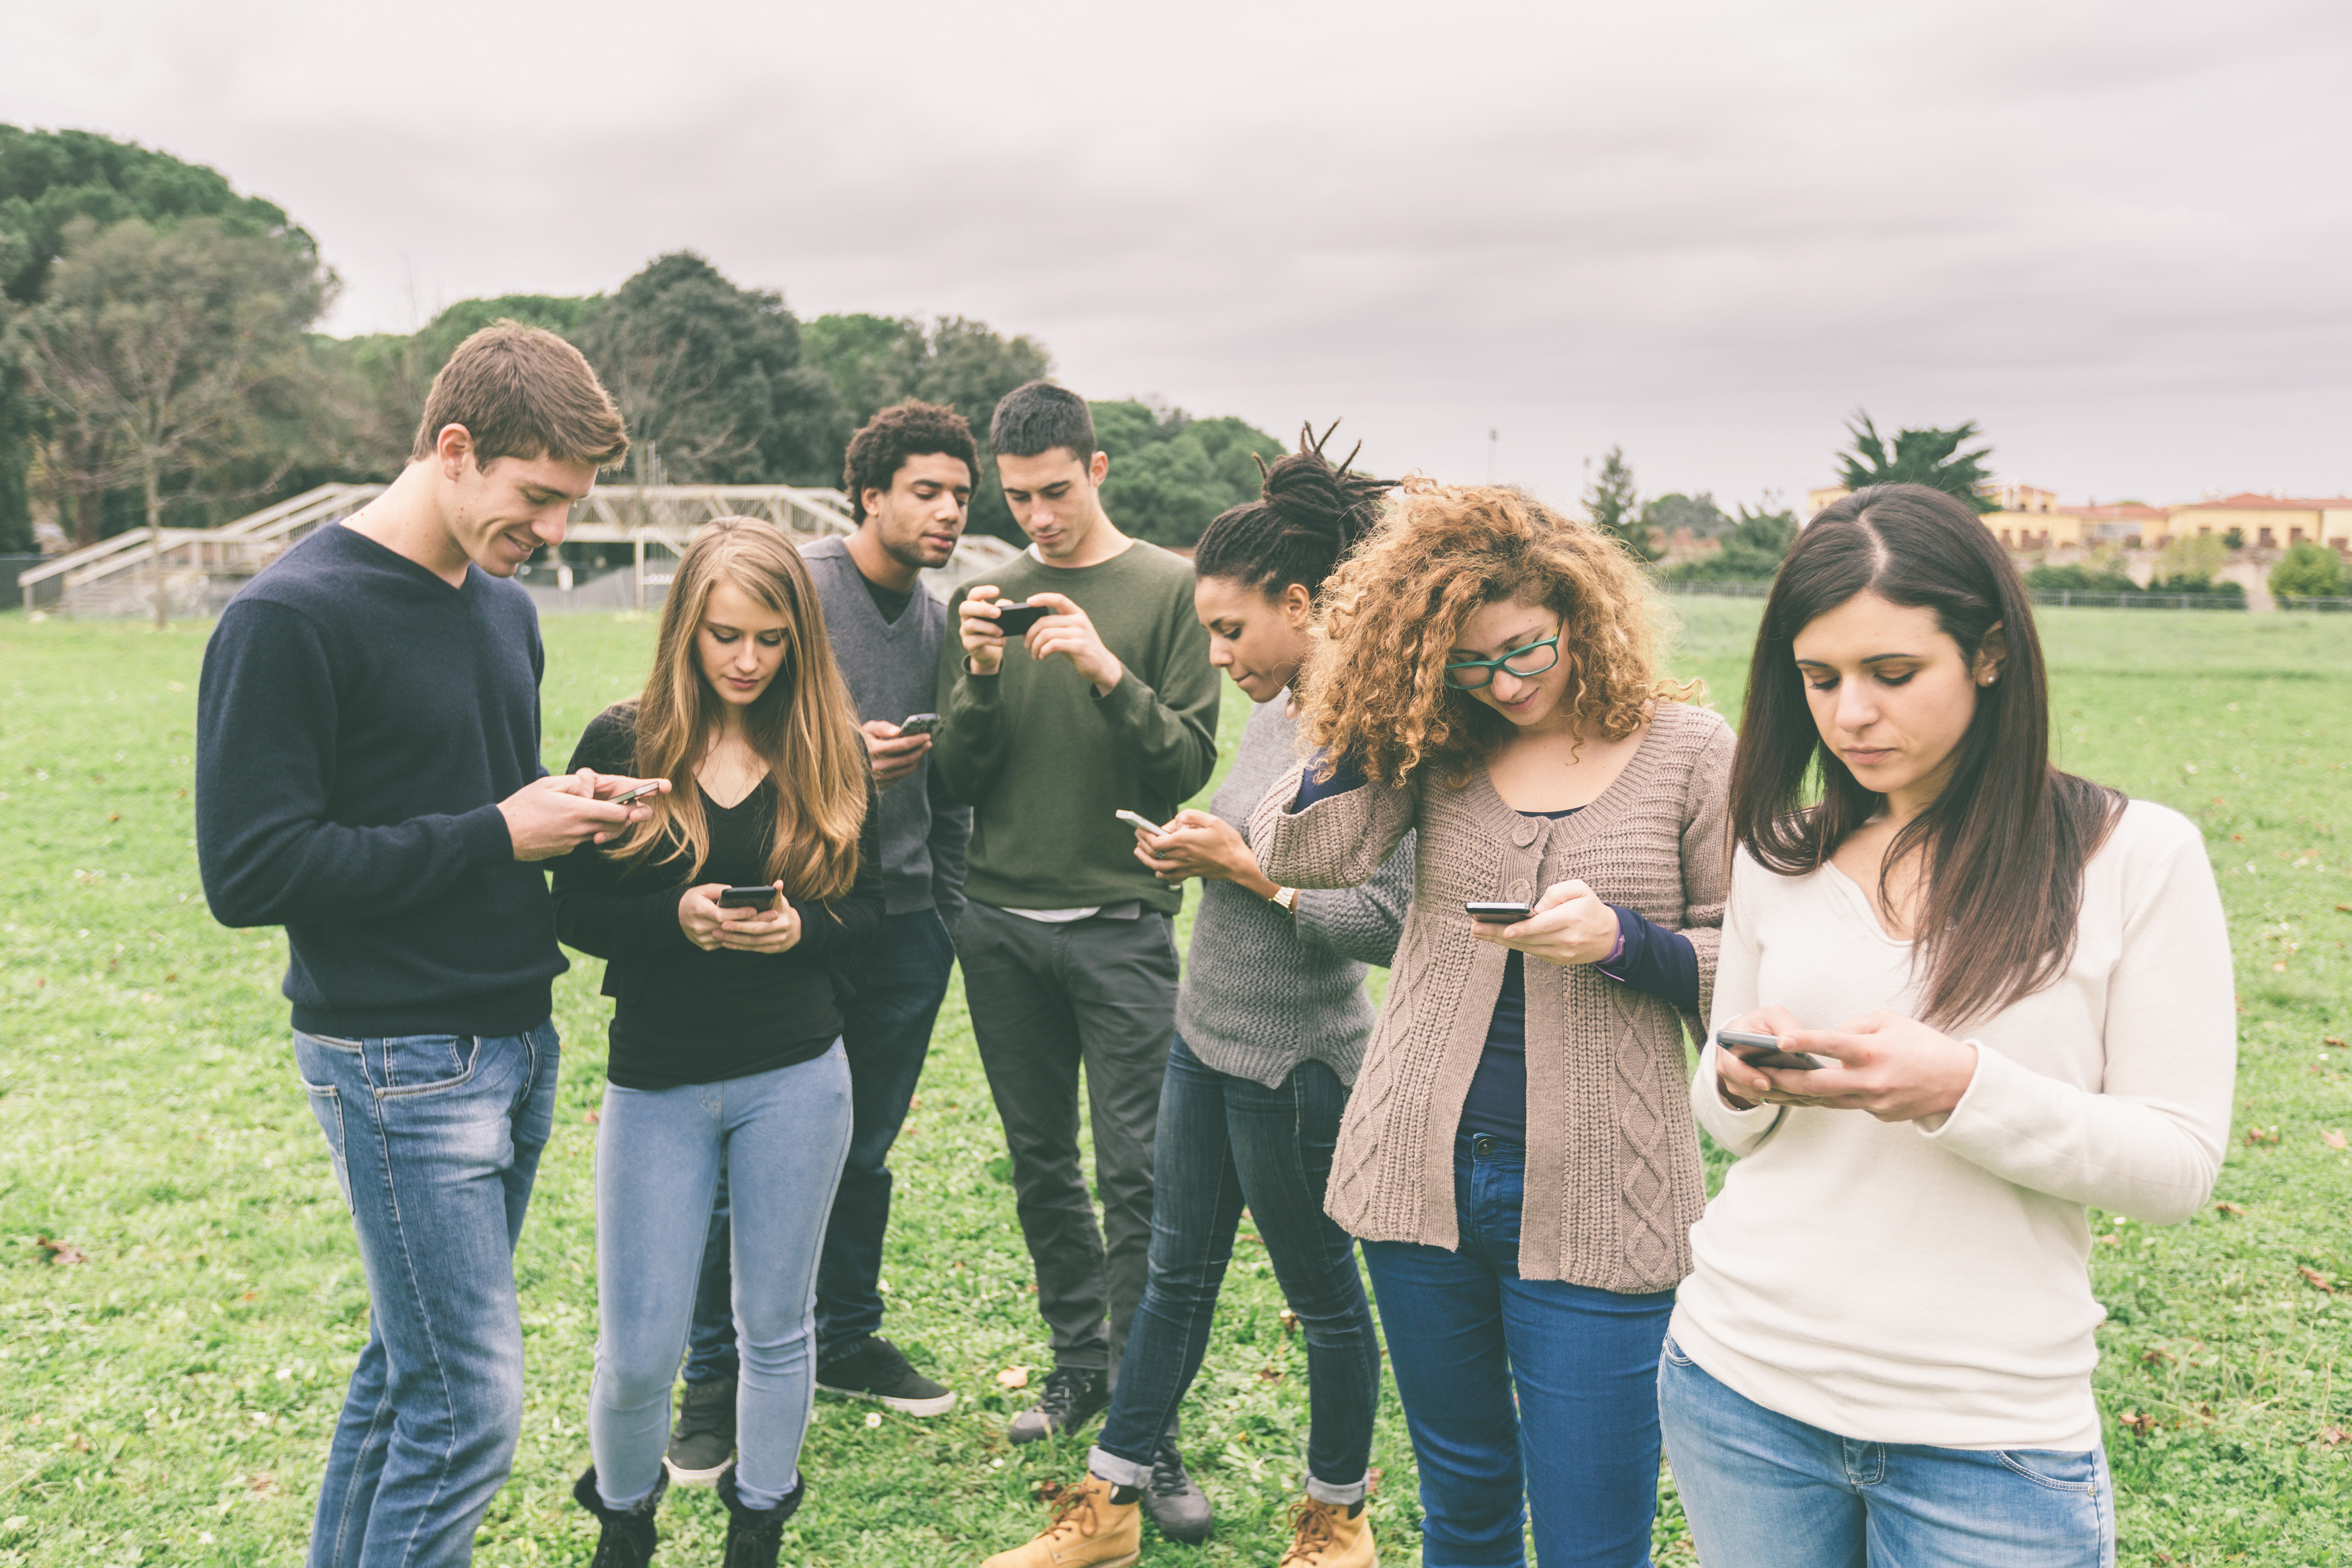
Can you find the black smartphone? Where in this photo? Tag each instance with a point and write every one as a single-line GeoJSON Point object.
{"type": "Point", "coordinates": [918, 724]}
{"type": "Point", "coordinates": [631, 796]}
{"type": "Point", "coordinates": [1017, 616]}
{"type": "Point", "coordinates": [1764, 1051]}
{"type": "Point", "coordinates": [1499, 914]}
{"type": "Point", "coordinates": [759, 896]}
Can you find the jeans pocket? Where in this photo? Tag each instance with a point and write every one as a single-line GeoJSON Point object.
{"type": "Point", "coordinates": [2060, 1470]}
{"type": "Point", "coordinates": [327, 1105]}
{"type": "Point", "coordinates": [422, 1064]}
{"type": "Point", "coordinates": [1671, 1353]}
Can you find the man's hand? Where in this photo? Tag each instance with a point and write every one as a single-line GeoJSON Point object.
{"type": "Point", "coordinates": [555, 814]}
{"type": "Point", "coordinates": [1569, 924]}
{"type": "Point", "coordinates": [894, 755]}
{"type": "Point", "coordinates": [976, 628]}
{"type": "Point", "coordinates": [1199, 844]}
{"type": "Point", "coordinates": [1067, 631]}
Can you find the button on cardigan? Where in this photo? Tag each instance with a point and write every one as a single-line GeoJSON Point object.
{"type": "Point", "coordinates": [1613, 1180]}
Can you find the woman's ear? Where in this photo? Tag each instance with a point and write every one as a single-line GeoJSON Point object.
{"type": "Point", "coordinates": [1991, 655]}
{"type": "Point", "coordinates": [1297, 604]}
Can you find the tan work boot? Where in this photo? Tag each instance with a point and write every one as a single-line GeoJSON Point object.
{"type": "Point", "coordinates": [1089, 1530]}
{"type": "Point", "coordinates": [1328, 1535]}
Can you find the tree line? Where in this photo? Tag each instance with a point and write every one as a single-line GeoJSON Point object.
{"type": "Point", "coordinates": [159, 367]}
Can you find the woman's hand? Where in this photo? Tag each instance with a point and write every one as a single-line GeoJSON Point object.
{"type": "Point", "coordinates": [1895, 1068]}
{"type": "Point", "coordinates": [711, 928]}
{"type": "Point", "coordinates": [1568, 925]}
{"type": "Point", "coordinates": [1743, 1088]}
{"type": "Point", "coordinates": [1199, 844]}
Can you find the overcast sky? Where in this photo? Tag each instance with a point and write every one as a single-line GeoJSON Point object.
{"type": "Point", "coordinates": [2118, 235]}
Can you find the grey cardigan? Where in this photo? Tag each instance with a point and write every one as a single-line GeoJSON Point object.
{"type": "Point", "coordinates": [1613, 1179]}
{"type": "Point", "coordinates": [1262, 991]}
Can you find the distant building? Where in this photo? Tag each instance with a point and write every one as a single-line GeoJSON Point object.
{"type": "Point", "coordinates": [2032, 519]}
{"type": "Point", "coordinates": [2270, 522]}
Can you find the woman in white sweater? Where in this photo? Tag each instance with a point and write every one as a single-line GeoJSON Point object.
{"type": "Point", "coordinates": [2017, 987]}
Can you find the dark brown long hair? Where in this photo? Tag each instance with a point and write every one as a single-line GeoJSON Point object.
{"type": "Point", "coordinates": [2004, 845]}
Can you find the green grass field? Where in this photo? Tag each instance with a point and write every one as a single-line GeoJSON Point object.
{"type": "Point", "coordinates": [181, 1299]}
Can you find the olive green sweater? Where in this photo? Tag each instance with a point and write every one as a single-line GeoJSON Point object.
{"type": "Point", "coordinates": [1044, 763]}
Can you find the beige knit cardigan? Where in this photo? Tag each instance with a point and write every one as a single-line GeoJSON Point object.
{"type": "Point", "coordinates": [1613, 1179]}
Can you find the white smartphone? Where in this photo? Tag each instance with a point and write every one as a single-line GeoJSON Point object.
{"type": "Point", "coordinates": [1133, 820]}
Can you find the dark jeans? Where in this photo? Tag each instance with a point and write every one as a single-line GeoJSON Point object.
{"type": "Point", "coordinates": [886, 1032]}
{"type": "Point", "coordinates": [1513, 1387]}
{"type": "Point", "coordinates": [436, 1139]}
{"type": "Point", "coordinates": [1047, 1001]}
{"type": "Point", "coordinates": [1225, 1143]}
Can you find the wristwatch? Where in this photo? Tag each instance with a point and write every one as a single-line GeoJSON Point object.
{"type": "Point", "coordinates": [1286, 901]}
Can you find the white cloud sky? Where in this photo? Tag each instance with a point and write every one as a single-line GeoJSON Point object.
{"type": "Point", "coordinates": [2118, 235]}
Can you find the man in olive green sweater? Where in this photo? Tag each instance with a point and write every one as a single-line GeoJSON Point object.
{"type": "Point", "coordinates": [1069, 957]}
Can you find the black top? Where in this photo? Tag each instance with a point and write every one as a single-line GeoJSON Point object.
{"type": "Point", "coordinates": [888, 603]}
{"type": "Point", "coordinates": [682, 1014]}
{"type": "Point", "coordinates": [357, 723]}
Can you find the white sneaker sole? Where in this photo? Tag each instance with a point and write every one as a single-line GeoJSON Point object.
{"type": "Point", "coordinates": [938, 1406]}
{"type": "Point", "coordinates": [692, 1477]}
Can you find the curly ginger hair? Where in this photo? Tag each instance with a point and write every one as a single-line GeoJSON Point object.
{"type": "Point", "coordinates": [1375, 689]}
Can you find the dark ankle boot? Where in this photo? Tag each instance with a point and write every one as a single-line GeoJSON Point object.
{"type": "Point", "coordinates": [627, 1540]}
{"type": "Point", "coordinates": [754, 1535]}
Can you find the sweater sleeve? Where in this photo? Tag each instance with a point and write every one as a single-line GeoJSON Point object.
{"type": "Point", "coordinates": [1706, 861]}
{"type": "Point", "coordinates": [592, 914]}
{"type": "Point", "coordinates": [1741, 1132]}
{"type": "Point", "coordinates": [1340, 841]}
{"type": "Point", "coordinates": [950, 844]}
{"type": "Point", "coordinates": [1166, 719]}
{"type": "Point", "coordinates": [2148, 1141]}
{"type": "Point", "coordinates": [1362, 923]}
{"type": "Point", "coordinates": [267, 713]}
{"type": "Point", "coordinates": [1651, 959]}
{"type": "Point", "coordinates": [835, 929]}
{"type": "Point", "coordinates": [970, 747]}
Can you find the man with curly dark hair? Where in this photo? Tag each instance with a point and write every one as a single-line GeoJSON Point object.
{"type": "Point", "coordinates": [910, 475]}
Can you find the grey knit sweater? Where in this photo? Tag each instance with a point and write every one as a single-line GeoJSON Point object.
{"type": "Point", "coordinates": [1262, 992]}
{"type": "Point", "coordinates": [1613, 1181]}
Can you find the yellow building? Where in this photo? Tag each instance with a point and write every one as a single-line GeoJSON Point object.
{"type": "Point", "coordinates": [2270, 522]}
{"type": "Point", "coordinates": [2031, 519]}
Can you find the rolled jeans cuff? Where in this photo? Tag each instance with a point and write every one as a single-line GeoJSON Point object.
{"type": "Point", "coordinates": [1118, 1473]}
{"type": "Point", "coordinates": [1336, 1495]}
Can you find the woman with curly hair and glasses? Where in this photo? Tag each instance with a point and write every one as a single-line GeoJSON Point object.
{"type": "Point", "coordinates": [1516, 1156]}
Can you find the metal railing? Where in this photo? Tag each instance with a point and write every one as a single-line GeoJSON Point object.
{"type": "Point", "coordinates": [2079, 598]}
{"type": "Point", "coordinates": [2319, 604]}
{"type": "Point", "coordinates": [195, 570]}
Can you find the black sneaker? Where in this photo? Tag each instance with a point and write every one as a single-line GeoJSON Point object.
{"type": "Point", "coordinates": [703, 1439]}
{"type": "Point", "coordinates": [1173, 1502]}
{"type": "Point", "coordinates": [1073, 1396]}
{"type": "Point", "coordinates": [876, 1369]}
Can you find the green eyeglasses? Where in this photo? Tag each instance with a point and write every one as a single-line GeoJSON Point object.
{"type": "Point", "coordinates": [1471, 674]}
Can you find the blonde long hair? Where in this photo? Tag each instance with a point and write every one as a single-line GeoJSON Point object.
{"type": "Point", "coordinates": [1375, 688]}
{"type": "Point", "coordinates": [803, 726]}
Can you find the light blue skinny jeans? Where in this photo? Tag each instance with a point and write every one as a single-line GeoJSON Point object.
{"type": "Point", "coordinates": [780, 1137]}
{"type": "Point", "coordinates": [1765, 1491]}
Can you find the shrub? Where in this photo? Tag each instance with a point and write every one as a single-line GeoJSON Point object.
{"type": "Point", "coordinates": [1751, 550]}
{"type": "Point", "coordinates": [2310, 570]}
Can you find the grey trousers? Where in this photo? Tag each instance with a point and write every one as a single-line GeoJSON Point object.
{"type": "Point", "coordinates": [1046, 1000]}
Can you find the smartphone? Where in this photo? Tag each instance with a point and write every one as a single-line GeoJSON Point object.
{"type": "Point", "coordinates": [631, 798]}
{"type": "Point", "coordinates": [758, 897]}
{"type": "Point", "coordinates": [1134, 819]}
{"type": "Point", "coordinates": [1499, 914]}
{"type": "Point", "coordinates": [1764, 1051]}
{"type": "Point", "coordinates": [1017, 616]}
{"type": "Point", "coordinates": [918, 724]}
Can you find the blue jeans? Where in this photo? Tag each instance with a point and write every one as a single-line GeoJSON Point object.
{"type": "Point", "coordinates": [887, 1030]}
{"type": "Point", "coordinates": [1515, 1386]}
{"type": "Point", "coordinates": [435, 1140]}
{"type": "Point", "coordinates": [1225, 1142]}
{"type": "Point", "coordinates": [658, 1155]}
{"type": "Point", "coordinates": [1763, 1491]}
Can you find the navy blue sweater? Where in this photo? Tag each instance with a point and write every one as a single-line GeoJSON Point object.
{"type": "Point", "coordinates": [358, 722]}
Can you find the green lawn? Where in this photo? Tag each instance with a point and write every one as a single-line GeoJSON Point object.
{"type": "Point", "coordinates": [180, 1297]}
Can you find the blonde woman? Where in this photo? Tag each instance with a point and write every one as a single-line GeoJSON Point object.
{"type": "Point", "coordinates": [725, 1036]}
{"type": "Point", "coordinates": [1516, 1156]}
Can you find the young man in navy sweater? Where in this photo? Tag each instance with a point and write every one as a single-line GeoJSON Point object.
{"type": "Point", "coordinates": [368, 776]}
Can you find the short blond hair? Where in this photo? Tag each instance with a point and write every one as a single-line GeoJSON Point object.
{"type": "Point", "coordinates": [522, 392]}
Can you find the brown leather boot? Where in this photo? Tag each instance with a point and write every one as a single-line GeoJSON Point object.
{"type": "Point", "coordinates": [1089, 1530]}
{"type": "Point", "coordinates": [1330, 1535]}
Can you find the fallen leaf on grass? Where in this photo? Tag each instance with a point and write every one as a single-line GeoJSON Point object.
{"type": "Point", "coordinates": [2138, 1424]}
{"type": "Point", "coordinates": [1289, 1321]}
{"type": "Point", "coordinates": [1047, 1492]}
{"type": "Point", "coordinates": [60, 1251]}
{"type": "Point", "coordinates": [2314, 1279]}
{"type": "Point", "coordinates": [2262, 1135]}
{"type": "Point", "coordinates": [2230, 1209]}
{"type": "Point", "coordinates": [592, 1117]}
{"type": "Point", "coordinates": [2331, 1435]}
{"type": "Point", "coordinates": [2157, 1357]}
{"type": "Point", "coordinates": [1269, 1372]}
{"type": "Point", "coordinates": [80, 1444]}
{"type": "Point", "coordinates": [2331, 1040]}
{"type": "Point", "coordinates": [261, 1483]}
{"type": "Point", "coordinates": [1012, 1377]}
{"type": "Point", "coordinates": [2333, 1139]}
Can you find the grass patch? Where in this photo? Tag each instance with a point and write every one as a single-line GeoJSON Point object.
{"type": "Point", "coordinates": [166, 1397]}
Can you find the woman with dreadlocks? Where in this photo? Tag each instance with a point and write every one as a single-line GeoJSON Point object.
{"type": "Point", "coordinates": [1517, 1156]}
{"type": "Point", "coordinates": [1270, 1023]}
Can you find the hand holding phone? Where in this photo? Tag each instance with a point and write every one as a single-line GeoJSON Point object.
{"type": "Point", "coordinates": [757, 895]}
{"type": "Point", "coordinates": [631, 796]}
{"type": "Point", "coordinates": [918, 724]}
{"type": "Point", "coordinates": [1497, 912]}
{"type": "Point", "coordinates": [1015, 617]}
{"type": "Point", "coordinates": [1764, 1051]}
{"type": "Point", "coordinates": [1136, 819]}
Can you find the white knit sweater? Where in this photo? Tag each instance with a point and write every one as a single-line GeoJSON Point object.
{"type": "Point", "coordinates": [1893, 1285]}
